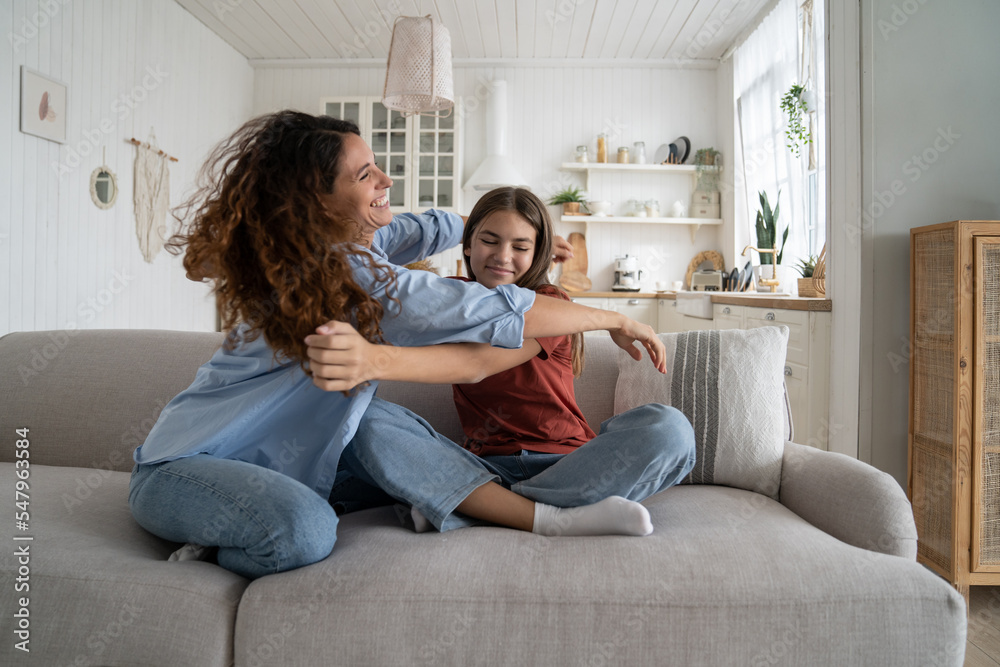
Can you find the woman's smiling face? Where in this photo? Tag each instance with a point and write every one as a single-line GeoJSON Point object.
{"type": "Point", "coordinates": [361, 189]}
{"type": "Point", "coordinates": [502, 249]}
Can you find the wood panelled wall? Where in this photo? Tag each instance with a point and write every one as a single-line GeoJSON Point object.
{"type": "Point", "coordinates": [129, 66]}
{"type": "Point", "coordinates": [552, 109]}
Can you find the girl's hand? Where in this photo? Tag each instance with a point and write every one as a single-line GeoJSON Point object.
{"type": "Point", "coordinates": [561, 250]}
{"type": "Point", "coordinates": [341, 359]}
{"type": "Point", "coordinates": [632, 331]}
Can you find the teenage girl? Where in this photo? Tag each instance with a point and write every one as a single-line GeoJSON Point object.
{"type": "Point", "coordinates": [518, 408]}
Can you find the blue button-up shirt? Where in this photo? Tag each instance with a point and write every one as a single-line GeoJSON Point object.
{"type": "Point", "coordinates": [245, 405]}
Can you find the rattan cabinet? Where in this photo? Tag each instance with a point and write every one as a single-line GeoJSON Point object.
{"type": "Point", "coordinates": [954, 432]}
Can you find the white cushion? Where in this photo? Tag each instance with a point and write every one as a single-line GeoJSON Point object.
{"type": "Point", "coordinates": [730, 384]}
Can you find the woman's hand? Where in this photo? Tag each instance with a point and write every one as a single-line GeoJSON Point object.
{"type": "Point", "coordinates": [341, 359]}
{"type": "Point", "coordinates": [632, 331]}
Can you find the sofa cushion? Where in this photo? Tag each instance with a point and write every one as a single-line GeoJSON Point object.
{"type": "Point", "coordinates": [730, 384]}
{"type": "Point", "coordinates": [100, 589]}
{"type": "Point", "coordinates": [51, 380]}
{"type": "Point", "coordinates": [727, 577]}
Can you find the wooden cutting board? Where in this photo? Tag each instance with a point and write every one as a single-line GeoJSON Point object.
{"type": "Point", "coordinates": [574, 271]}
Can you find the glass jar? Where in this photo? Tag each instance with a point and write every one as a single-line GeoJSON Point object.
{"type": "Point", "coordinates": [581, 154]}
{"type": "Point", "coordinates": [652, 208]}
{"type": "Point", "coordinates": [639, 152]}
{"type": "Point", "coordinates": [632, 208]}
{"type": "Point", "coordinates": [602, 147]}
{"type": "Point", "coordinates": [623, 155]}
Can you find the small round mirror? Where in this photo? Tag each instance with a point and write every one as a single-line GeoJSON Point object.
{"type": "Point", "coordinates": [103, 187]}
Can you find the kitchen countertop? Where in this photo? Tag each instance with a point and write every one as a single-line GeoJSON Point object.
{"type": "Point", "coordinates": [759, 299]}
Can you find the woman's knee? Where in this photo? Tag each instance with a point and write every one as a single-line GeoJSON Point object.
{"type": "Point", "coordinates": [309, 538]}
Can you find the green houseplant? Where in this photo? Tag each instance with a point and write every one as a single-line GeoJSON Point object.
{"type": "Point", "coordinates": [705, 157]}
{"type": "Point", "coordinates": [570, 198]}
{"type": "Point", "coordinates": [807, 266]}
{"type": "Point", "coordinates": [794, 105]}
{"type": "Point", "coordinates": [767, 229]}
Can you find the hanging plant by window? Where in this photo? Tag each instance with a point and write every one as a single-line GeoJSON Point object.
{"type": "Point", "coordinates": [795, 108]}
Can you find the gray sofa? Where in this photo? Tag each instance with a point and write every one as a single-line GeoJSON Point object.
{"type": "Point", "coordinates": [826, 576]}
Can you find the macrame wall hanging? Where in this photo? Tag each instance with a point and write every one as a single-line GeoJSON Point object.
{"type": "Point", "coordinates": [151, 195]}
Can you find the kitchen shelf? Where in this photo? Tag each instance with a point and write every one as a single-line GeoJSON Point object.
{"type": "Point", "coordinates": [652, 168]}
{"type": "Point", "coordinates": [694, 224]}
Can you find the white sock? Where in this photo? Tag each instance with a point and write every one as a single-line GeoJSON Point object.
{"type": "Point", "coordinates": [420, 522]}
{"type": "Point", "coordinates": [612, 516]}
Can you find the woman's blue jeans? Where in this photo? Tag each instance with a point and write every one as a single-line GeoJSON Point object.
{"type": "Point", "coordinates": [265, 522]}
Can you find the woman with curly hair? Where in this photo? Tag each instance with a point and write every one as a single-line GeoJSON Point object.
{"type": "Point", "coordinates": [292, 226]}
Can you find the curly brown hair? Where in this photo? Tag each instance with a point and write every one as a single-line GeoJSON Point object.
{"type": "Point", "coordinates": [257, 228]}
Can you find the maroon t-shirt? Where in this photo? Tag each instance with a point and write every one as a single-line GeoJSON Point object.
{"type": "Point", "coordinates": [531, 406]}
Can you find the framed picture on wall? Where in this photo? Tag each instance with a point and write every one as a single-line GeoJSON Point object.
{"type": "Point", "coordinates": [43, 106]}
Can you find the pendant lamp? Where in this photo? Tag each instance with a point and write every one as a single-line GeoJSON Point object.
{"type": "Point", "coordinates": [418, 77]}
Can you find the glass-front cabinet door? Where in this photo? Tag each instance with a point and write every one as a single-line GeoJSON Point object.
{"type": "Point", "coordinates": [436, 146]}
{"type": "Point", "coordinates": [389, 140]}
{"type": "Point", "coordinates": [421, 154]}
{"type": "Point", "coordinates": [345, 109]}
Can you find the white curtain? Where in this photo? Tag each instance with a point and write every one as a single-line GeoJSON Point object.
{"type": "Point", "coordinates": [765, 66]}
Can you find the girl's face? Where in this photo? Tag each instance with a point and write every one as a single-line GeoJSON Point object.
{"type": "Point", "coordinates": [361, 189]}
{"type": "Point", "coordinates": [503, 247]}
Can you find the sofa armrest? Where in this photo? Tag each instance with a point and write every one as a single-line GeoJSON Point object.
{"type": "Point", "coordinates": [849, 499]}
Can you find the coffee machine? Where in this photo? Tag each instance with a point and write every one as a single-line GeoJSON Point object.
{"type": "Point", "coordinates": [627, 274]}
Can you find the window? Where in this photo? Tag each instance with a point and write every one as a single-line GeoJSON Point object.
{"type": "Point", "coordinates": [785, 49]}
{"type": "Point", "coordinates": [421, 154]}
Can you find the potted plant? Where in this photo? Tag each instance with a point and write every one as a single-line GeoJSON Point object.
{"type": "Point", "coordinates": [794, 104]}
{"type": "Point", "coordinates": [767, 234]}
{"type": "Point", "coordinates": [570, 198]}
{"type": "Point", "coordinates": [767, 229]}
{"type": "Point", "coordinates": [707, 162]}
{"type": "Point", "coordinates": [807, 286]}
{"type": "Point", "coordinates": [705, 157]}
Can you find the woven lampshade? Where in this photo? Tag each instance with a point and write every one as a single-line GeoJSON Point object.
{"type": "Point", "coordinates": [418, 77]}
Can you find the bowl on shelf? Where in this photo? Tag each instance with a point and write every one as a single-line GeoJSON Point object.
{"type": "Point", "coordinates": [599, 207]}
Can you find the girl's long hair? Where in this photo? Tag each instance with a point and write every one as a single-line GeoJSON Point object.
{"type": "Point", "coordinates": [258, 229]}
{"type": "Point", "coordinates": [528, 206]}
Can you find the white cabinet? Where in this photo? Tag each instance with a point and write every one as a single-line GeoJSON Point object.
{"type": "Point", "coordinates": [727, 317]}
{"type": "Point", "coordinates": [807, 363]}
{"type": "Point", "coordinates": [639, 309]}
{"type": "Point", "coordinates": [669, 320]}
{"type": "Point", "coordinates": [421, 154]}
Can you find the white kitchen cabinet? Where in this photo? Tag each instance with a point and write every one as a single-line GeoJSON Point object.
{"type": "Point", "coordinates": [639, 309]}
{"type": "Point", "coordinates": [669, 320]}
{"type": "Point", "coordinates": [807, 362]}
{"type": "Point", "coordinates": [727, 316]}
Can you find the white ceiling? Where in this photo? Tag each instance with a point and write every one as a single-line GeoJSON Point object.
{"type": "Point", "coordinates": [668, 30]}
